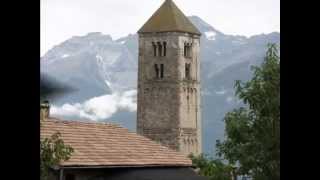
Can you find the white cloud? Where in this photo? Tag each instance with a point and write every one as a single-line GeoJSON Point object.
{"type": "Point", "coordinates": [65, 55]}
{"type": "Point", "coordinates": [211, 35]}
{"type": "Point", "coordinates": [222, 92]}
{"type": "Point", "coordinates": [98, 108]}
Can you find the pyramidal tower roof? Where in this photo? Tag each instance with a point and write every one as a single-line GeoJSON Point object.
{"type": "Point", "coordinates": [169, 18]}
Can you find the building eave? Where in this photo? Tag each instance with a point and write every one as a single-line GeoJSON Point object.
{"type": "Point", "coordinates": [121, 166]}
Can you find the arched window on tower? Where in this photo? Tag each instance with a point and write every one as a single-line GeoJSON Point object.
{"type": "Point", "coordinates": [187, 70]}
{"type": "Point", "coordinates": [189, 50]}
{"type": "Point", "coordinates": [154, 49]}
{"type": "Point", "coordinates": [164, 48]}
{"type": "Point", "coordinates": [161, 71]}
{"type": "Point", "coordinates": [159, 49]}
{"type": "Point", "coordinates": [156, 68]}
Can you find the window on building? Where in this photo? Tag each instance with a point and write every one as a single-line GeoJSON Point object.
{"type": "Point", "coordinates": [187, 50]}
{"type": "Point", "coordinates": [187, 70]}
{"type": "Point", "coordinates": [154, 49]}
{"type": "Point", "coordinates": [70, 177]}
{"type": "Point", "coordinates": [159, 49]}
{"type": "Point", "coordinates": [164, 48]}
{"type": "Point", "coordinates": [156, 68]}
{"type": "Point", "coordinates": [187, 45]}
{"type": "Point", "coordinates": [162, 70]}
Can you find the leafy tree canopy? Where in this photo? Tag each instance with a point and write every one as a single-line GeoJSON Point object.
{"type": "Point", "coordinates": [52, 152]}
{"type": "Point", "coordinates": [215, 169]}
{"type": "Point", "coordinates": [253, 132]}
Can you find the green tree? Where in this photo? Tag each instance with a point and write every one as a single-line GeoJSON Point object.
{"type": "Point", "coordinates": [215, 169]}
{"type": "Point", "coordinates": [52, 151]}
{"type": "Point", "coordinates": [253, 132]}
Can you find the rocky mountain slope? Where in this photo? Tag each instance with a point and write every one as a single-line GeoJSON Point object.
{"type": "Point", "coordinates": [104, 72]}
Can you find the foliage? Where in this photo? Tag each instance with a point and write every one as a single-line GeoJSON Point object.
{"type": "Point", "coordinates": [253, 132]}
{"type": "Point", "coordinates": [215, 169]}
{"type": "Point", "coordinates": [52, 151]}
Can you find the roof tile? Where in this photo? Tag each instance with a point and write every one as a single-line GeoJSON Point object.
{"type": "Point", "coordinates": [102, 144]}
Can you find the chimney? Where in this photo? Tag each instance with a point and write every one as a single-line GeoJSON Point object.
{"type": "Point", "coordinates": [44, 110]}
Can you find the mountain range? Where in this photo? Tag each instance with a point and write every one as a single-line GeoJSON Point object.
{"type": "Point", "coordinates": [104, 73]}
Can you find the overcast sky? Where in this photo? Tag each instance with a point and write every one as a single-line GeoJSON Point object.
{"type": "Point", "coordinates": [62, 19]}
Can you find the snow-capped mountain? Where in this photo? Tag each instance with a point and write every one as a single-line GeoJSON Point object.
{"type": "Point", "coordinates": [104, 72]}
{"type": "Point", "coordinates": [93, 64]}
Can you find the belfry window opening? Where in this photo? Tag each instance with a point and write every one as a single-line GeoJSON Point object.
{"type": "Point", "coordinates": [156, 68]}
{"type": "Point", "coordinates": [159, 49]}
{"type": "Point", "coordinates": [187, 50]}
{"type": "Point", "coordinates": [187, 70]}
{"type": "Point", "coordinates": [164, 48]}
{"type": "Point", "coordinates": [154, 49]}
{"type": "Point", "coordinates": [161, 71]}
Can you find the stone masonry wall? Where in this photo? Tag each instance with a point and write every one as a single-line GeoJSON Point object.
{"type": "Point", "coordinates": [169, 107]}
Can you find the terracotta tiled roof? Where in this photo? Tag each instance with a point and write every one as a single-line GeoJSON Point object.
{"type": "Point", "coordinates": [101, 144]}
{"type": "Point", "coordinates": [169, 18]}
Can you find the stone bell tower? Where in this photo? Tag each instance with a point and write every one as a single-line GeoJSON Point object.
{"type": "Point", "coordinates": [169, 80]}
